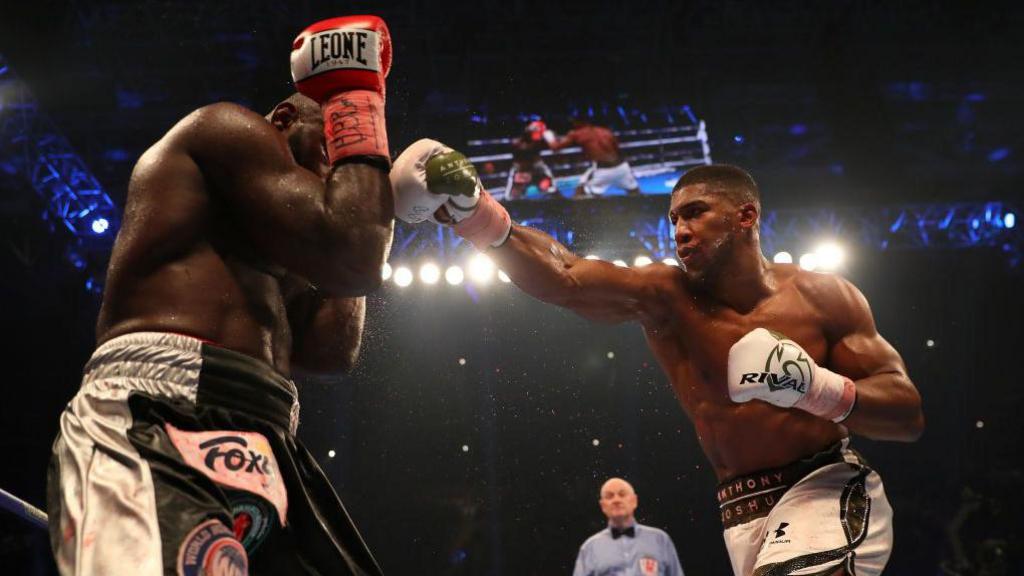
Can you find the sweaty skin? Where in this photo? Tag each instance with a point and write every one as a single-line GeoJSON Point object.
{"type": "Point", "coordinates": [692, 315]}
{"type": "Point", "coordinates": [237, 232]}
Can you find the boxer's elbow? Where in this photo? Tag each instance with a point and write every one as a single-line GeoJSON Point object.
{"type": "Point", "coordinates": [917, 428]}
{"type": "Point", "coordinates": [914, 423]}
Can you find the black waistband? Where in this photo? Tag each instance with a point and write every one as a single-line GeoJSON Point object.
{"type": "Point", "coordinates": [751, 496]}
{"type": "Point", "coordinates": [235, 381]}
{"type": "Point", "coordinates": [603, 164]}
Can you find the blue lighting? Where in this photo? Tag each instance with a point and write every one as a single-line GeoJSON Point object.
{"type": "Point", "coordinates": [998, 154]}
{"type": "Point", "coordinates": [76, 260]}
{"type": "Point", "coordinates": [975, 223]}
{"type": "Point", "coordinates": [739, 139]}
{"type": "Point", "coordinates": [1009, 220]}
{"type": "Point", "coordinates": [117, 155]}
{"type": "Point", "coordinates": [798, 129]}
{"type": "Point", "coordinates": [100, 225]}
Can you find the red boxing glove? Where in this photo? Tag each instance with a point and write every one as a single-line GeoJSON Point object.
{"type": "Point", "coordinates": [536, 130]}
{"type": "Point", "coordinates": [342, 63]}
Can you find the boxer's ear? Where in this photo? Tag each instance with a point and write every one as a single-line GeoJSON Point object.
{"type": "Point", "coordinates": [748, 215]}
{"type": "Point", "coordinates": [284, 115]}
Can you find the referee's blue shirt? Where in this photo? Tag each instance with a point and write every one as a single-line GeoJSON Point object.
{"type": "Point", "coordinates": [649, 553]}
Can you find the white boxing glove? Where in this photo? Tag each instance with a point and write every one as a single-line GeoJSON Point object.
{"type": "Point", "coordinates": [434, 182]}
{"type": "Point", "coordinates": [767, 366]}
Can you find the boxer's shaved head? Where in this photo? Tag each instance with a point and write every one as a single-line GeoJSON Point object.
{"type": "Point", "coordinates": [733, 182]}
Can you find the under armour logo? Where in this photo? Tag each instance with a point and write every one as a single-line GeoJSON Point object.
{"type": "Point", "coordinates": [781, 530]}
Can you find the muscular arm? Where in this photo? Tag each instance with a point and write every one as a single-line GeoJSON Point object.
{"type": "Point", "coordinates": [335, 233]}
{"type": "Point", "coordinates": [563, 142]}
{"type": "Point", "coordinates": [888, 405]}
{"type": "Point", "coordinates": [596, 290]}
{"type": "Point", "coordinates": [327, 338]}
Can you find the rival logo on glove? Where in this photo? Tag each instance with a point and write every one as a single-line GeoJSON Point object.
{"type": "Point", "coordinates": [786, 367]}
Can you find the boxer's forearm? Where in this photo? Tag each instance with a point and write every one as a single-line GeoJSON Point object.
{"type": "Point", "coordinates": [359, 211]}
{"type": "Point", "coordinates": [537, 263]}
{"type": "Point", "coordinates": [888, 408]}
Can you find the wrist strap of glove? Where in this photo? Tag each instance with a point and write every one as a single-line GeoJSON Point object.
{"type": "Point", "coordinates": [354, 125]}
{"type": "Point", "coordinates": [831, 396]}
{"type": "Point", "coordinates": [488, 226]}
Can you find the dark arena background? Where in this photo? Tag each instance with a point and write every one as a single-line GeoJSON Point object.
{"type": "Point", "coordinates": [479, 424]}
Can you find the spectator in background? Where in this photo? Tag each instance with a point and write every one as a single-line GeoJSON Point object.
{"type": "Point", "coordinates": [527, 167]}
{"type": "Point", "coordinates": [601, 147]}
{"type": "Point", "coordinates": [625, 547]}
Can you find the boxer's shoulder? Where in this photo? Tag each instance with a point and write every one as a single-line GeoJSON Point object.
{"type": "Point", "coordinates": [834, 298]}
{"type": "Point", "coordinates": [225, 132]}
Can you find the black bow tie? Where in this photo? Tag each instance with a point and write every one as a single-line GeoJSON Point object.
{"type": "Point", "coordinates": [619, 532]}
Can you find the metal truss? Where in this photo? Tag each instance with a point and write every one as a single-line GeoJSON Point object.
{"type": "Point", "coordinates": [33, 148]}
{"type": "Point", "coordinates": [627, 227]}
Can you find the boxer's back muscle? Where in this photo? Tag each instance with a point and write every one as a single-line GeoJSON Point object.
{"type": "Point", "coordinates": [179, 264]}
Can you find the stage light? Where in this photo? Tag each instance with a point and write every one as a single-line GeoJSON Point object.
{"type": "Point", "coordinates": [620, 263]}
{"type": "Point", "coordinates": [783, 258]}
{"type": "Point", "coordinates": [670, 262]}
{"type": "Point", "coordinates": [100, 225]}
{"type": "Point", "coordinates": [503, 277]}
{"type": "Point", "coordinates": [385, 271]}
{"type": "Point", "coordinates": [809, 261]}
{"type": "Point", "coordinates": [465, 448]}
{"type": "Point", "coordinates": [454, 275]}
{"type": "Point", "coordinates": [481, 269]}
{"type": "Point", "coordinates": [331, 453]}
{"type": "Point", "coordinates": [1009, 220]}
{"type": "Point", "coordinates": [641, 261]}
{"type": "Point", "coordinates": [403, 276]}
{"type": "Point", "coordinates": [430, 273]}
{"type": "Point", "coordinates": [829, 256]}
{"type": "Point", "coordinates": [593, 257]}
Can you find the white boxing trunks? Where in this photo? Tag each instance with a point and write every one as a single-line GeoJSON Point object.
{"type": "Point", "coordinates": [810, 517]}
{"type": "Point", "coordinates": [597, 179]}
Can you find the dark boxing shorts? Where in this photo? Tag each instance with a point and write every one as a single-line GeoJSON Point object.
{"type": "Point", "coordinates": [180, 457]}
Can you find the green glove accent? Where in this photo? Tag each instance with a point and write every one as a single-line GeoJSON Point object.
{"type": "Point", "coordinates": [451, 173]}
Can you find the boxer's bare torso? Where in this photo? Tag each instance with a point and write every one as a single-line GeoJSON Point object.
{"type": "Point", "coordinates": [692, 341]}
{"type": "Point", "coordinates": [190, 259]}
{"type": "Point", "coordinates": [598, 144]}
{"type": "Point", "coordinates": [693, 314]}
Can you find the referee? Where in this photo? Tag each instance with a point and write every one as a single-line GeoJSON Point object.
{"type": "Point", "coordinates": [625, 547]}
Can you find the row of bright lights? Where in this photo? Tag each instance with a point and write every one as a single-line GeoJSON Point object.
{"type": "Point", "coordinates": [481, 269]}
{"type": "Point", "coordinates": [826, 257]}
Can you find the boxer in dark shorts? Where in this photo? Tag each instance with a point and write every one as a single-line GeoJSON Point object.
{"type": "Point", "coordinates": [246, 246]}
{"type": "Point", "coordinates": [527, 167]}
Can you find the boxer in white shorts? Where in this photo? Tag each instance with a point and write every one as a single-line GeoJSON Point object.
{"type": "Point", "coordinates": [775, 366]}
